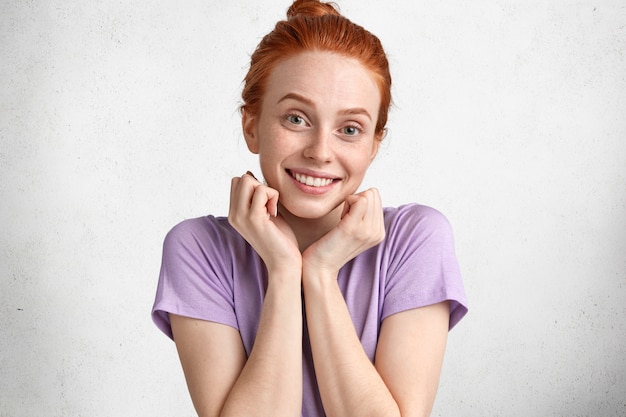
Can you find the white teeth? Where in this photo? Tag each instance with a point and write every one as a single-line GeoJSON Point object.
{"type": "Point", "coordinates": [312, 181]}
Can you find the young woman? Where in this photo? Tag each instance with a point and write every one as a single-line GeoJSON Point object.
{"type": "Point", "coordinates": [311, 298]}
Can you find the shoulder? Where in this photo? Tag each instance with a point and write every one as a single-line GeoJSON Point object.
{"type": "Point", "coordinates": [417, 230]}
{"type": "Point", "coordinates": [413, 210]}
{"type": "Point", "coordinates": [202, 232]}
{"type": "Point", "coordinates": [420, 263]}
{"type": "Point", "coordinates": [415, 219]}
{"type": "Point", "coordinates": [197, 277]}
{"type": "Point", "coordinates": [200, 227]}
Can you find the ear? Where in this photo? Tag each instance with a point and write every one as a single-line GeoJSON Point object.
{"type": "Point", "coordinates": [248, 124]}
{"type": "Point", "coordinates": [378, 139]}
{"type": "Point", "coordinates": [375, 147]}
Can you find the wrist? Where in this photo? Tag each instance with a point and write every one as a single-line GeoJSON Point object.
{"type": "Point", "coordinates": [317, 276]}
{"type": "Point", "coordinates": [285, 273]}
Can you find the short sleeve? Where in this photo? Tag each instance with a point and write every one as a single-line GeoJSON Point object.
{"type": "Point", "coordinates": [195, 279]}
{"type": "Point", "coordinates": [422, 268]}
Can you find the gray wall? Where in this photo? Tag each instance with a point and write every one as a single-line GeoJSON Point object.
{"type": "Point", "coordinates": [118, 119]}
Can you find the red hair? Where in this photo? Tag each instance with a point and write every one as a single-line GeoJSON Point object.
{"type": "Point", "coordinates": [315, 26]}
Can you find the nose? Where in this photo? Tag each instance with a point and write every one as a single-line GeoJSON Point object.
{"type": "Point", "coordinates": [319, 146]}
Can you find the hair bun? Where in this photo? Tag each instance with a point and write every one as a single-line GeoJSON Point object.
{"type": "Point", "coordinates": [312, 8]}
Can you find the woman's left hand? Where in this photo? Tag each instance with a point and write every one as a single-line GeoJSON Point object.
{"type": "Point", "coordinates": [361, 227]}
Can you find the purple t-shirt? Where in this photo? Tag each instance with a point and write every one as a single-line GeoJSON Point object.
{"type": "Point", "coordinates": [210, 272]}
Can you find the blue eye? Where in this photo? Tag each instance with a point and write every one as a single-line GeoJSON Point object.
{"type": "Point", "coordinates": [351, 130]}
{"type": "Point", "coordinates": [295, 119]}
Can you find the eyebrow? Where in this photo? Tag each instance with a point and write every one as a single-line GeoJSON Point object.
{"type": "Point", "coordinates": [308, 102]}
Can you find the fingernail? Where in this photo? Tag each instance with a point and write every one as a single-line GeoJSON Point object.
{"type": "Point", "coordinates": [251, 174]}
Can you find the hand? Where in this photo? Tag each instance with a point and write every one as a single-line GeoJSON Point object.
{"type": "Point", "coordinates": [254, 214]}
{"type": "Point", "coordinates": [361, 227]}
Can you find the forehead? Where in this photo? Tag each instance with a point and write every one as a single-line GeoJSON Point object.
{"type": "Point", "coordinates": [326, 79]}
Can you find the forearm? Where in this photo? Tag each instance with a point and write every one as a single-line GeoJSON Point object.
{"type": "Point", "coordinates": [270, 383]}
{"type": "Point", "coordinates": [349, 383]}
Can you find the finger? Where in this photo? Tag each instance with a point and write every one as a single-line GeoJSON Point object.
{"type": "Point", "coordinates": [242, 189]}
{"type": "Point", "coordinates": [272, 204]}
{"type": "Point", "coordinates": [377, 213]}
{"type": "Point", "coordinates": [234, 186]}
{"type": "Point", "coordinates": [373, 204]}
{"type": "Point", "coordinates": [346, 208]}
{"type": "Point", "coordinates": [372, 199]}
{"type": "Point", "coordinates": [264, 200]}
{"type": "Point", "coordinates": [357, 206]}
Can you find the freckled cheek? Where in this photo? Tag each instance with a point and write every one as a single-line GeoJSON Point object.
{"type": "Point", "coordinates": [360, 166]}
{"type": "Point", "coordinates": [277, 140]}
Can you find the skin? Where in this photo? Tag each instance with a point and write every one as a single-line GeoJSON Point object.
{"type": "Point", "coordinates": [317, 120]}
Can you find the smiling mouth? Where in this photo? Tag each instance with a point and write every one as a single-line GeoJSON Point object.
{"type": "Point", "coordinates": [311, 181]}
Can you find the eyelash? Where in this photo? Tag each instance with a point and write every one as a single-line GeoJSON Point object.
{"type": "Point", "coordinates": [353, 126]}
{"type": "Point", "coordinates": [289, 118]}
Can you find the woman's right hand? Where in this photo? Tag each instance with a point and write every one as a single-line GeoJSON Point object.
{"type": "Point", "coordinates": [254, 214]}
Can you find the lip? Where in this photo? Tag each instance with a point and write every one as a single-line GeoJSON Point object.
{"type": "Point", "coordinates": [309, 189]}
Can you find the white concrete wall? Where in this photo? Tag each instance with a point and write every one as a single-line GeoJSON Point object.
{"type": "Point", "coordinates": [119, 119]}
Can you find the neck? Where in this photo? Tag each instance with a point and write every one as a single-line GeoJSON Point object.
{"type": "Point", "coordinates": [308, 231]}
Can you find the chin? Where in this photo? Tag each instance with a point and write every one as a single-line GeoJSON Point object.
{"type": "Point", "coordinates": [311, 211]}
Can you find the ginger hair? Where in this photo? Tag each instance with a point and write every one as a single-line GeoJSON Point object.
{"type": "Point", "coordinates": [312, 25]}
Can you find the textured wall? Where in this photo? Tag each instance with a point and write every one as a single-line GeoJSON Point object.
{"type": "Point", "coordinates": [118, 119]}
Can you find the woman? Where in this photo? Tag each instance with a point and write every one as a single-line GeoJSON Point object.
{"type": "Point", "coordinates": [311, 298]}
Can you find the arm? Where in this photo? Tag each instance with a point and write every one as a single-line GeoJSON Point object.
{"type": "Point", "coordinates": [409, 357]}
{"type": "Point", "coordinates": [270, 383]}
{"type": "Point", "coordinates": [411, 344]}
{"type": "Point", "coordinates": [348, 382]}
{"type": "Point", "coordinates": [221, 381]}
{"type": "Point", "coordinates": [212, 357]}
